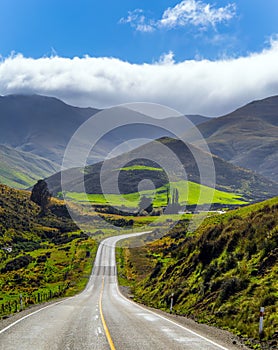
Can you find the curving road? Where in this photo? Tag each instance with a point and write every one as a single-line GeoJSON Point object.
{"type": "Point", "coordinates": [100, 318]}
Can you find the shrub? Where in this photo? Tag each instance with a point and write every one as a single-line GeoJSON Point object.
{"type": "Point", "coordinates": [230, 287]}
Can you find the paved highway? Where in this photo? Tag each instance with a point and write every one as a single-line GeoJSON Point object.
{"type": "Point", "coordinates": [100, 318]}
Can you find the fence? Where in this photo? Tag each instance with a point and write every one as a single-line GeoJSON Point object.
{"type": "Point", "coordinates": [23, 301]}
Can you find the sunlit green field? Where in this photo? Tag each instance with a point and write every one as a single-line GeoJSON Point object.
{"type": "Point", "coordinates": [140, 167]}
{"type": "Point", "coordinates": [189, 193]}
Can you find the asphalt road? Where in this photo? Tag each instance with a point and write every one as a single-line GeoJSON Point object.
{"type": "Point", "coordinates": [100, 318]}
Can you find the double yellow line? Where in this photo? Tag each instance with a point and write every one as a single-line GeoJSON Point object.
{"type": "Point", "coordinates": [107, 333]}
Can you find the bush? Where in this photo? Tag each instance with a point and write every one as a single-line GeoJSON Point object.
{"type": "Point", "coordinates": [17, 263]}
{"type": "Point", "coordinates": [231, 287]}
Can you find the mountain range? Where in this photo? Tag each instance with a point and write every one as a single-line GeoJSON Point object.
{"type": "Point", "coordinates": [39, 125]}
{"type": "Point", "coordinates": [35, 131]}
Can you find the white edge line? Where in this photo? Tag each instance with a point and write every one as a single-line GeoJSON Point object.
{"type": "Point", "coordinates": [33, 313]}
{"type": "Point", "coordinates": [162, 317]}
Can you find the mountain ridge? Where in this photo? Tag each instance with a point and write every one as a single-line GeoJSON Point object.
{"type": "Point", "coordinates": [247, 137]}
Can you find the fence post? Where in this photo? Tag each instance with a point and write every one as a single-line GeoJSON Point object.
{"type": "Point", "coordinates": [15, 306]}
{"type": "Point", "coordinates": [261, 323]}
{"type": "Point", "coordinates": [172, 302]}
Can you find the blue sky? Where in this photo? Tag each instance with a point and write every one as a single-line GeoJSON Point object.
{"type": "Point", "coordinates": [76, 28]}
{"type": "Point", "coordinates": [106, 52]}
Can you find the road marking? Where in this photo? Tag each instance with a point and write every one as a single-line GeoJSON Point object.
{"type": "Point", "coordinates": [148, 317]}
{"type": "Point", "coordinates": [33, 313]}
{"type": "Point", "coordinates": [107, 333]}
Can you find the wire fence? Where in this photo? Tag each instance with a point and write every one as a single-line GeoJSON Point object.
{"type": "Point", "coordinates": [23, 301]}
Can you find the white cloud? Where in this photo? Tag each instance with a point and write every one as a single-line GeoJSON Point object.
{"type": "Point", "coordinates": [196, 86]}
{"type": "Point", "coordinates": [197, 13]}
{"type": "Point", "coordinates": [187, 12]}
{"type": "Point", "coordinates": [167, 58]}
{"type": "Point", "coordinates": [138, 21]}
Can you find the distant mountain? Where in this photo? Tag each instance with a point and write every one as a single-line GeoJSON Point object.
{"type": "Point", "coordinates": [229, 178]}
{"type": "Point", "coordinates": [39, 125]}
{"type": "Point", "coordinates": [179, 121]}
{"type": "Point", "coordinates": [42, 126]}
{"type": "Point", "coordinates": [247, 137]}
{"type": "Point", "coordinates": [22, 169]}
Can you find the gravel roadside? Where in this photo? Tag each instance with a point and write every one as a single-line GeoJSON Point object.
{"type": "Point", "coordinates": [225, 338]}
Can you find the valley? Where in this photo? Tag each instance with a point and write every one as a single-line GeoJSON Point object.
{"type": "Point", "coordinates": [210, 236]}
{"type": "Point", "coordinates": [139, 175]}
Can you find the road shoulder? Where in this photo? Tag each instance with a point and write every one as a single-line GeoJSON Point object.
{"type": "Point", "coordinates": [220, 336]}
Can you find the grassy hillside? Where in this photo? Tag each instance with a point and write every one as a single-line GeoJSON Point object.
{"type": "Point", "coordinates": [21, 169]}
{"type": "Point", "coordinates": [139, 167]}
{"type": "Point", "coordinates": [40, 256]}
{"type": "Point", "coordinates": [221, 274]}
{"type": "Point", "coordinates": [189, 194]}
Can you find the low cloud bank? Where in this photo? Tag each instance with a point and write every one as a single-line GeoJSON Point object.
{"type": "Point", "coordinates": [194, 87]}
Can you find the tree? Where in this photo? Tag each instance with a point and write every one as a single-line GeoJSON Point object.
{"type": "Point", "coordinates": [168, 193]}
{"type": "Point", "coordinates": [175, 197]}
{"type": "Point", "coordinates": [173, 205]}
{"type": "Point", "coordinates": [145, 204]}
{"type": "Point", "coordinates": [41, 195]}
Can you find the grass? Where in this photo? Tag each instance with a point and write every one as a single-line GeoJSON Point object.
{"type": "Point", "coordinates": [189, 193]}
{"type": "Point", "coordinates": [101, 199]}
{"type": "Point", "coordinates": [62, 269]}
{"type": "Point", "coordinates": [140, 167]}
{"type": "Point", "coordinates": [192, 193]}
{"type": "Point", "coordinates": [19, 170]}
{"type": "Point", "coordinates": [15, 179]}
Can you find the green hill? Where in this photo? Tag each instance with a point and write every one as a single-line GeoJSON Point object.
{"type": "Point", "coordinates": [139, 164]}
{"type": "Point", "coordinates": [21, 169]}
{"type": "Point", "coordinates": [221, 274]}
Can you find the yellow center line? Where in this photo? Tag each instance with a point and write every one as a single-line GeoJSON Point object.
{"type": "Point", "coordinates": [107, 333]}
